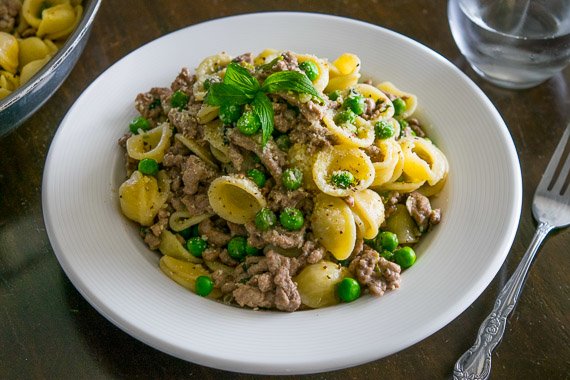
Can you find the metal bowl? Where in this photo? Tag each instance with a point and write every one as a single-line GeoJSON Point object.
{"type": "Point", "coordinates": [27, 99]}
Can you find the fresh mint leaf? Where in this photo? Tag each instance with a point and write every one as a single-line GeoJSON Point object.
{"type": "Point", "coordinates": [240, 77]}
{"type": "Point", "coordinates": [222, 93]}
{"type": "Point", "coordinates": [263, 108]}
{"type": "Point", "coordinates": [289, 81]}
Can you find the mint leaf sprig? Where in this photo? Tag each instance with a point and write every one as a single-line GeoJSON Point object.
{"type": "Point", "coordinates": [239, 87]}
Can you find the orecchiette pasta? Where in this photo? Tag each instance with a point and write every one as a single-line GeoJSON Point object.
{"type": "Point", "coordinates": [152, 144]}
{"type": "Point", "coordinates": [410, 99]}
{"type": "Point", "coordinates": [369, 208]}
{"type": "Point", "coordinates": [197, 149]}
{"type": "Point", "coordinates": [210, 69]}
{"type": "Point", "coordinates": [291, 186]}
{"type": "Point", "coordinates": [236, 199]}
{"type": "Point", "coordinates": [141, 197]}
{"type": "Point", "coordinates": [171, 246]}
{"type": "Point", "coordinates": [342, 158]}
{"type": "Point", "coordinates": [333, 225]}
{"type": "Point", "coordinates": [360, 134]}
{"type": "Point", "coordinates": [322, 80]}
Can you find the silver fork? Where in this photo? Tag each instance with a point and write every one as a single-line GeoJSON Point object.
{"type": "Point", "coordinates": [551, 208]}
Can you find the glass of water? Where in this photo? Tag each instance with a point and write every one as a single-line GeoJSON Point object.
{"type": "Point", "coordinates": [512, 43]}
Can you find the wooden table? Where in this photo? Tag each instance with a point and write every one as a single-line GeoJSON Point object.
{"type": "Point", "coordinates": [47, 329]}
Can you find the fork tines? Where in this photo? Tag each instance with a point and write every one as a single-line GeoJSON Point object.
{"type": "Point", "coordinates": [555, 178]}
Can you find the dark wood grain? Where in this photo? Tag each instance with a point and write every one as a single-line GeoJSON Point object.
{"type": "Point", "coordinates": [48, 330]}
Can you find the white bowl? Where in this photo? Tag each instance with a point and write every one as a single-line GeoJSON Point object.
{"type": "Point", "coordinates": [106, 260]}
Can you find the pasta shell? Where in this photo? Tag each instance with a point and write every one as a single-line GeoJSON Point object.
{"type": "Point", "coordinates": [342, 158]}
{"type": "Point", "coordinates": [9, 51]}
{"type": "Point", "coordinates": [31, 49]}
{"type": "Point", "coordinates": [322, 80]}
{"type": "Point", "coordinates": [391, 154]}
{"type": "Point", "coordinates": [345, 64]}
{"type": "Point", "coordinates": [197, 149]}
{"type": "Point", "coordinates": [235, 198]}
{"type": "Point", "coordinates": [185, 273]}
{"type": "Point", "coordinates": [410, 99]}
{"type": "Point", "coordinates": [151, 144]}
{"type": "Point", "coordinates": [209, 68]}
{"type": "Point", "coordinates": [56, 21]}
{"type": "Point", "coordinates": [370, 210]}
{"type": "Point", "coordinates": [401, 223]}
{"type": "Point", "coordinates": [171, 246]}
{"type": "Point", "coordinates": [333, 225]}
{"type": "Point", "coordinates": [423, 161]}
{"type": "Point", "coordinates": [361, 134]}
{"type": "Point", "coordinates": [140, 198]}
{"type": "Point", "coordinates": [181, 220]}
{"type": "Point", "coordinates": [32, 68]}
{"type": "Point", "coordinates": [265, 56]}
{"type": "Point", "coordinates": [214, 133]}
{"type": "Point", "coordinates": [381, 100]}
{"type": "Point", "coordinates": [343, 82]}
{"type": "Point", "coordinates": [207, 113]}
{"type": "Point", "coordinates": [317, 283]}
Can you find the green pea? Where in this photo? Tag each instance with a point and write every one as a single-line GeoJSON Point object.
{"type": "Point", "coordinates": [139, 122]}
{"type": "Point", "coordinates": [343, 179]}
{"type": "Point", "coordinates": [347, 116]}
{"type": "Point", "coordinates": [334, 95]}
{"type": "Point", "coordinates": [383, 130]}
{"type": "Point", "coordinates": [310, 69]}
{"type": "Point", "coordinates": [399, 106]}
{"type": "Point", "coordinates": [405, 257]}
{"type": "Point", "coordinates": [251, 250]}
{"type": "Point", "coordinates": [355, 103]}
{"type": "Point", "coordinates": [348, 289]}
{"type": "Point", "coordinates": [237, 247]}
{"type": "Point", "coordinates": [256, 176]}
{"type": "Point", "coordinates": [283, 142]}
{"type": "Point", "coordinates": [204, 285]}
{"type": "Point", "coordinates": [196, 246]}
{"type": "Point", "coordinates": [265, 219]}
{"type": "Point", "coordinates": [387, 255]}
{"type": "Point", "coordinates": [248, 123]}
{"type": "Point", "coordinates": [291, 219]}
{"type": "Point", "coordinates": [403, 124]}
{"type": "Point", "coordinates": [148, 166]}
{"type": "Point", "coordinates": [292, 178]}
{"type": "Point", "coordinates": [229, 113]}
{"type": "Point", "coordinates": [179, 99]}
{"type": "Point", "coordinates": [189, 232]}
{"type": "Point", "coordinates": [387, 240]}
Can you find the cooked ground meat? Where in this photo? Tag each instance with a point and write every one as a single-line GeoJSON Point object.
{"type": "Point", "coordinates": [197, 204]}
{"type": "Point", "coordinates": [212, 234]}
{"type": "Point", "coordinates": [194, 172]}
{"type": "Point", "coordinates": [150, 104]}
{"type": "Point", "coordinates": [375, 272]}
{"type": "Point", "coordinates": [184, 82]}
{"type": "Point", "coordinates": [285, 117]}
{"type": "Point", "coordinates": [280, 198]}
{"type": "Point", "coordinates": [420, 210]}
{"type": "Point", "coordinates": [270, 155]}
{"type": "Point", "coordinates": [277, 236]}
{"type": "Point", "coordinates": [416, 127]}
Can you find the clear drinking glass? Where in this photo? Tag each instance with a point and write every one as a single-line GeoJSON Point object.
{"type": "Point", "coordinates": [512, 43]}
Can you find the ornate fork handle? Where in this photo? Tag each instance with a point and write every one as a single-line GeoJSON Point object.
{"type": "Point", "coordinates": [475, 363]}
